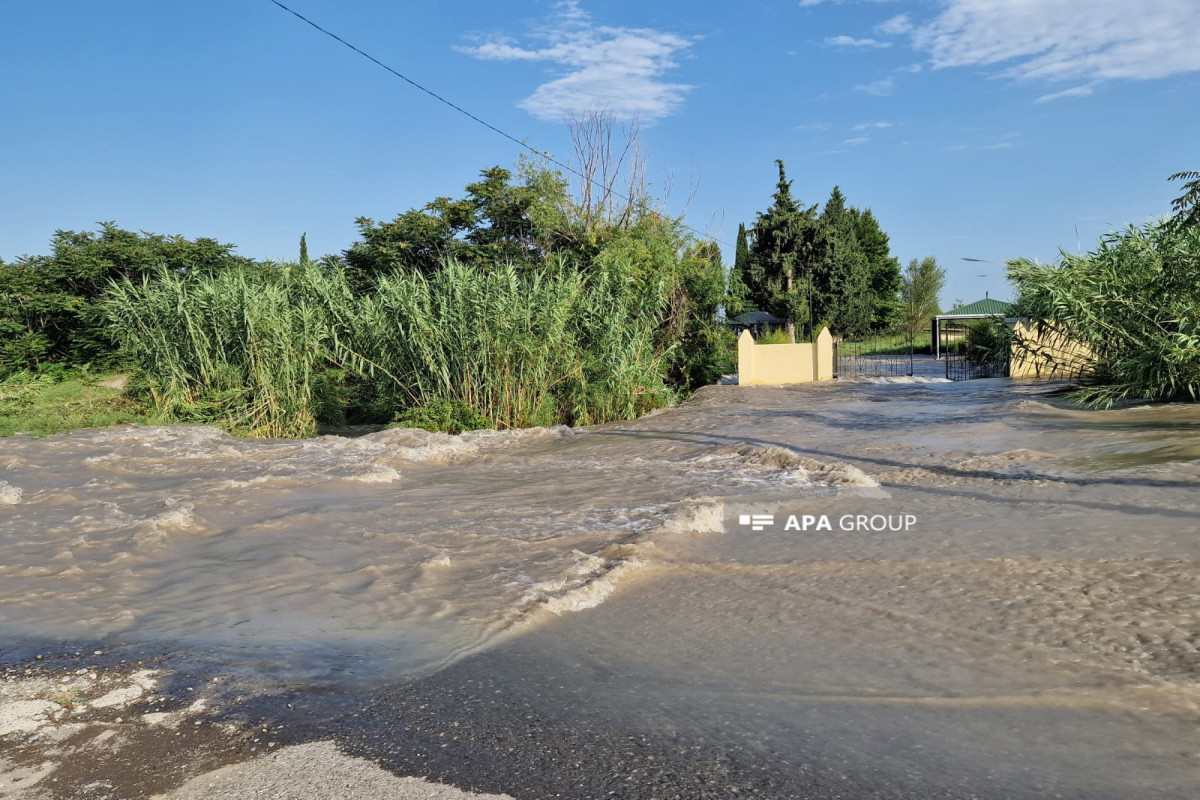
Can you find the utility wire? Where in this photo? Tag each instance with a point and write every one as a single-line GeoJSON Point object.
{"type": "Point", "coordinates": [525, 145]}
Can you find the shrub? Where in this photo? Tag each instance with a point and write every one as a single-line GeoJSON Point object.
{"type": "Point", "coordinates": [774, 336]}
{"type": "Point", "coordinates": [442, 416]}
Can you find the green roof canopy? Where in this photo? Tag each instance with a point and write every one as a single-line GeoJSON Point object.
{"type": "Point", "coordinates": [987, 306]}
{"type": "Point", "coordinates": [756, 318]}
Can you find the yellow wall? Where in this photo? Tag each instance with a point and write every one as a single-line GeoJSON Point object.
{"type": "Point", "coordinates": [777, 364]}
{"type": "Point", "coordinates": [1047, 354]}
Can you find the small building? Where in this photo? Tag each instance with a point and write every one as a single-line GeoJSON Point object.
{"type": "Point", "coordinates": [757, 322]}
{"type": "Point", "coordinates": [987, 308]}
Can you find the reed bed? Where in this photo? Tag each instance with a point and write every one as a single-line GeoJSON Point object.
{"type": "Point", "coordinates": [275, 350]}
{"type": "Point", "coordinates": [1134, 301]}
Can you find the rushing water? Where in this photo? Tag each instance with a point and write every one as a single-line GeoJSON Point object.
{"type": "Point", "coordinates": [1027, 622]}
{"type": "Point", "coordinates": [400, 551]}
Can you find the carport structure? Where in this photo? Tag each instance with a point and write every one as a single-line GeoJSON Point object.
{"type": "Point", "coordinates": [987, 308]}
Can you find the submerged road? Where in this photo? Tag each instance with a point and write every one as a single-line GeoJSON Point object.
{"type": "Point", "coordinates": [1033, 633]}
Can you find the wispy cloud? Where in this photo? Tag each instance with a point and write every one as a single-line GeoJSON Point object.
{"type": "Point", "coordinates": [1075, 91]}
{"type": "Point", "coordinates": [812, 127]}
{"type": "Point", "coordinates": [857, 140]}
{"type": "Point", "coordinates": [1061, 40]}
{"type": "Point", "coordinates": [866, 126]}
{"type": "Point", "coordinates": [850, 41]}
{"type": "Point", "coordinates": [1005, 142]}
{"type": "Point", "coordinates": [895, 26]}
{"type": "Point", "coordinates": [618, 69]}
{"type": "Point", "coordinates": [879, 87]}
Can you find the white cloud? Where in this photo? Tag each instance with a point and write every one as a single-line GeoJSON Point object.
{"type": "Point", "coordinates": [911, 69]}
{"type": "Point", "coordinates": [855, 140]}
{"type": "Point", "coordinates": [850, 41]}
{"type": "Point", "coordinates": [1075, 91]}
{"type": "Point", "coordinates": [604, 67]}
{"type": "Point", "coordinates": [879, 87]}
{"type": "Point", "coordinates": [812, 127]}
{"type": "Point", "coordinates": [865, 126]}
{"type": "Point", "coordinates": [1061, 40]}
{"type": "Point", "coordinates": [895, 26]}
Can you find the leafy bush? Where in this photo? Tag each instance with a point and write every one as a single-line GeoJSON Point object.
{"type": "Point", "coordinates": [442, 416]}
{"type": "Point", "coordinates": [49, 305]}
{"type": "Point", "coordinates": [988, 341]}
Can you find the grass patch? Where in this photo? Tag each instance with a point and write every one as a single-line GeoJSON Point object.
{"type": "Point", "coordinates": [40, 407]}
{"type": "Point", "coordinates": [886, 344]}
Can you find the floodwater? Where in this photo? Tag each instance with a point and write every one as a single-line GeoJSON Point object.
{"type": "Point", "coordinates": [1038, 565]}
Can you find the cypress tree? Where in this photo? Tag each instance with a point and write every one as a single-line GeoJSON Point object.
{"type": "Point", "coordinates": [777, 259]}
{"type": "Point", "coordinates": [741, 260]}
{"type": "Point", "coordinates": [737, 294]}
{"type": "Point", "coordinates": [304, 248]}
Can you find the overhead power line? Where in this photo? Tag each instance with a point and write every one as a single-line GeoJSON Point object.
{"type": "Point", "coordinates": [524, 145]}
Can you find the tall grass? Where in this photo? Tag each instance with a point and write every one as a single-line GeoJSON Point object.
{"type": "Point", "coordinates": [1135, 301]}
{"type": "Point", "coordinates": [244, 348]}
{"type": "Point", "coordinates": [275, 351]}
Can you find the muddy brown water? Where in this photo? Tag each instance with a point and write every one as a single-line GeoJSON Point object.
{"type": "Point", "coordinates": [1038, 622]}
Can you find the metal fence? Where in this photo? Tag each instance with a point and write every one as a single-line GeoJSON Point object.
{"type": "Point", "coordinates": [885, 353]}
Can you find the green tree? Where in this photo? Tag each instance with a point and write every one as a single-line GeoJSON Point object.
{"type": "Point", "coordinates": [737, 295]}
{"type": "Point", "coordinates": [304, 248]}
{"type": "Point", "coordinates": [883, 268]}
{"type": "Point", "coordinates": [777, 259]}
{"type": "Point", "coordinates": [1186, 207]}
{"type": "Point", "coordinates": [841, 291]}
{"type": "Point", "coordinates": [704, 345]}
{"type": "Point", "coordinates": [48, 304]}
{"type": "Point", "coordinates": [531, 221]}
{"type": "Point", "coordinates": [922, 282]}
{"type": "Point", "coordinates": [499, 221]}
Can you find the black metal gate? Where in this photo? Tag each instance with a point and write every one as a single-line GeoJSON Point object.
{"type": "Point", "coordinates": [970, 355]}
{"type": "Point", "coordinates": [885, 353]}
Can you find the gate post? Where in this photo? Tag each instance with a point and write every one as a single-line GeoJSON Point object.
{"type": "Point", "coordinates": [823, 357]}
{"type": "Point", "coordinates": [745, 358]}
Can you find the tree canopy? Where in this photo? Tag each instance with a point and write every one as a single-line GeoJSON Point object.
{"type": "Point", "coordinates": [838, 259]}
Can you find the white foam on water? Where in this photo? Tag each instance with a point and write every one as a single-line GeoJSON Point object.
{"type": "Point", "coordinates": [593, 592]}
{"type": "Point", "coordinates": [591, 580]}
{"type": "Point", "coordinates": [700, 515]}
{"type": "Point", "coordinates": [10, 495]}
{"type": "Point", "coordinates": [750, 461]}
{"type": "Point", "coordinates": [380, 475]}
{"type": "Point", "coordinates": [899, 379]}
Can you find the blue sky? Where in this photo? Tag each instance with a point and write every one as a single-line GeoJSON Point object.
{"type": "Point", "coordinates": [974, 128]}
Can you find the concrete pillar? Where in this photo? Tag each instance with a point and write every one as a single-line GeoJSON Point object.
{"type": "Point", "coordinates": [823, 357]}
{"type": "Point", "coordinates": [745, 358]}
